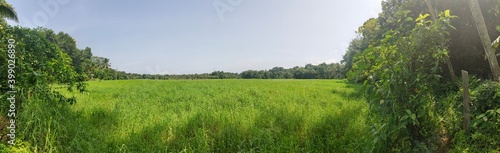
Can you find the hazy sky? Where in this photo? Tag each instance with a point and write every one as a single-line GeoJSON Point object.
{"type": "Point", "coordinates": [199, 36]}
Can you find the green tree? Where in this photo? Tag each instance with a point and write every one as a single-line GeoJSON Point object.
{"type": "Point", "coordinates": [106, 63]}
{"type": "Point", "coordinates": [403, 74]}
{"type": "Point", "coordinates": [81, 58]}
{"type": "Point", "coordinates": [7, 11]}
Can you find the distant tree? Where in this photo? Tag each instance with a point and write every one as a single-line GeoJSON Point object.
{"type": "Point", "coordinates": [288, 74]}
{"type": "Point", "coordinates": [277, 73]}
{"type": "Point", "coordinates": [81, 59]}
{"type": "Point", "coordinates": [106, 63]}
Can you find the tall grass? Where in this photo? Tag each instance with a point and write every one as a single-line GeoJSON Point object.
{"type": "Point", "coordinates": [203, 116]}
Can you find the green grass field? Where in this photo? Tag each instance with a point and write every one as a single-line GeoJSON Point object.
{"type": "Point", "coordinates": [214, 116]}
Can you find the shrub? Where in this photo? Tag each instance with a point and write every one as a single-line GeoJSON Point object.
{"type": "Point", "coordinates": [486, 116]}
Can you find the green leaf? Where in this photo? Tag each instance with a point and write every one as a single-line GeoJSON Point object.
{"type": "Point", "coordinates": [495, 43]}
{"type": "Point", "coordinates": [404, 117]}
{"type": "Point", "coordinates": [408, 111]}
{"type": "Point", "coordinates": [422, 17]}
{"type": "Point", "coordinates": [386, 38]}
{"type": "Point", "coordinates": [426, 15]}
{"type": "Point", "coordinates": [447, 13]}
{"type": "Point", "coordinates": [480, 116]}
{"type": "Point", "coordinates": [408, 19]}
{"type": "Point", "coordinates": [36, 73]}
{"type": "Point", "coordinates": [498, 28]}
{"type": "Point", "coordinates": [413, 116]}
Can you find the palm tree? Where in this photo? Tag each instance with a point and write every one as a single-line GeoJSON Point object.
{"type": "Point", "coordinates": [106, 63]}
{"type": "Point", "coordinates": [7, 11]}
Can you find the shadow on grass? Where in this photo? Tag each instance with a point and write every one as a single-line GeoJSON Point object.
{"type": "Point", "coordinates": [91, 133]}
{"type": "Point", "coordinates": [340, 132]}
{"type": "Point", "coordinates": [351, 91]}
{"type": "Point", "coordinates": [53, 126]}
{"type": "Point", "coordinates": [273, 130]}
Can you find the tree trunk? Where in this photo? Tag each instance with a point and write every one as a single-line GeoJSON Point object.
{"type": "Point", "coordinates": [431, 10]}
{"type": "Point", "coordinates": [447, 58]}
{"type": "Point", "coordinates": [485, 38]}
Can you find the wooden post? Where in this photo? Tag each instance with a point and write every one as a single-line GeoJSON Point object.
{"type": "Point", "coordinates": [466, 108]}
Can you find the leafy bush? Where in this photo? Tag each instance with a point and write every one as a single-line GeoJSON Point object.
{"type": "Point", "coordinates": [403, 80]}
{"type": "Point", "coordinates": [485, 119]}
{"type": "Point", "coordinates": [486, 116]}
{"type": "Point", "coordinates": [486, 97]}
{"type": "Point", "coordinates": [40, 63]}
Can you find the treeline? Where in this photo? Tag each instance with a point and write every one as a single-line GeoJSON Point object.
{"type": "Point", "coordinates": [213, 75]}
{"type": "Point", "coordinates": [310, 71]}
{"type": "Point", "coordinates": [321, 71]}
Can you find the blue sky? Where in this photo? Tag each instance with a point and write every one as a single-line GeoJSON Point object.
{"type": "Point", "coordinates": [194, 36]}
